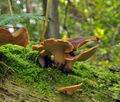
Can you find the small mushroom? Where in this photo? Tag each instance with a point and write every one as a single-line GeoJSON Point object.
{"type": "Point", "coordinates": [44, 56]}
{"type": "Point", "coordinates": [37, 47]}
{"type": "Point", "coordinates": [78, 42]}
{"type": "Point", "coordinates": [19, 37]}
{"type": "Point", "coordinates": [70, 60]}
{"type": "Point", "coordinates": [69, 90]}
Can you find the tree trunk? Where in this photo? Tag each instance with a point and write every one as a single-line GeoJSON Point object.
{"type": "Point", "coordinates": [29, 6]}
{"type": "Point", "coordinates": [54, 19]}
{"type": "Point", "coordinates": [53, 24]}
{"type": "Point", "coordinates": [44, 14]}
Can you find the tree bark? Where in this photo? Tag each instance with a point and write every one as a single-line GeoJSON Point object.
{"type": "Point", "coordinates": [28, 6]}
{"type": "Point", "coordinates": [54, 19]}
{"type": "Point", "coordinates": [53, 24]}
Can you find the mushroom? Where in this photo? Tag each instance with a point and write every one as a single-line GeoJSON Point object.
{"type": "Point", "coordinates": [45, 59]}
{"type": "Point", "coordinates": [37, 47]}
{"type": "Point", "coordinates": [70, 90]}
{"type": "Point", "coordinates": [58, 48]}
{"type": "Point", "coordinates": [44, 56]}
{"type": "Point", "coordinates": [78, 42]}
{"type": "Point", "coordinates": [70, 60]}
{"type": "Point", "coordinates": [19, 37]}
{"type": "Point", "coordinates": [63, 52]}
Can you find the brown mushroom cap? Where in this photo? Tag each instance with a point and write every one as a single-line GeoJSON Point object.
{"type": "Point", "coordinates": [4, 36]}
{"type": "Point", "coordinates": [37, 47]}
{"type": "Point", "coordinates": [20, 37]}
{"type": "Point", "coordinates": [53, 44]}
{"type": "Point", "coordinates": [57, 48]}
{"type": "Point", "coordinates": [83, 56]}
{"type": "Point", "coordinates": [78, 42]}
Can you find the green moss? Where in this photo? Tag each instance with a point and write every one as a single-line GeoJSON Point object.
{"type": "Point", "coordinates": [98, 82]}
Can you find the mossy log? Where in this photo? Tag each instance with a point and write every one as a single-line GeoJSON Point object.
{"type": "Point", "coordinates": [5, 70]}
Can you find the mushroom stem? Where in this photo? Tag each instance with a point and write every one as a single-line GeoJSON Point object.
{"type": "Point", "coordinates": [59, 57]}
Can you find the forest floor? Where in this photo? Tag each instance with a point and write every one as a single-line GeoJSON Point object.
{"type": "Point", "coordinates": [11, 91]}
{"type": "Point", "coordinates": [23, 80]}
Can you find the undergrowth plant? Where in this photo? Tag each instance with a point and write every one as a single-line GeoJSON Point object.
{"type": "Point", "coordinates": [9, 19]}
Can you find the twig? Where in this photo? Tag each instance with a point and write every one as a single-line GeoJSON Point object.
{"type": "Point", "coordinates": [46, 21]}
{"type": "Point", "coordinates": [10, 7]}
{"type": "Point", "coordinates": [66, 17]}
{"type": "Point", "coordinates": [11, 10]}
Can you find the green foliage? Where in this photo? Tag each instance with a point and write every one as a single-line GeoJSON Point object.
{"type": "Point", "coordinates": [88, 17]}
{"type": "Point", "coordinates": [108, 54]}
{"type": "Point", "coordinates": [16, 18]}
{"type": "Point", "coordinates": [115, 53]}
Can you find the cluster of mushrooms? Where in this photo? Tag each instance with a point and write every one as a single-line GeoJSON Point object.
{"type": "Point", "coordinates": [52, 52]}
{"type": "Point", "coordinates": [61, 54]}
